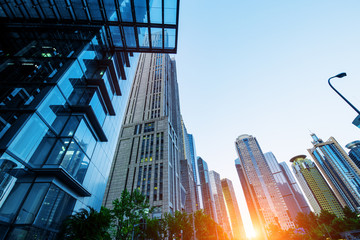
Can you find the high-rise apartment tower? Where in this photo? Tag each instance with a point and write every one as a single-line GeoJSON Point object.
{"type": "Point", "coordinates": [316, 189]}
{"type": "Point", "coordinates": [262, 182]}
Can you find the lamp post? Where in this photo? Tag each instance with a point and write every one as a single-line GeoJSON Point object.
{"type": "Point", "coordinates": [341, 75]}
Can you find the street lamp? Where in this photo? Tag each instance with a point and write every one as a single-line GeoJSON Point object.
{"type": "Point", "coordinates": [341, 75]}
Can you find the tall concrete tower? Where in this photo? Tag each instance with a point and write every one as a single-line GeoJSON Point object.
{"type": "Point", "coordinates": [262, 182]}
{"type": "Point", "coordinates": [149, 148]}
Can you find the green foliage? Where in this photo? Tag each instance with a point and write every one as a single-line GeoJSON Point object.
{"type": "Point", "coordinates": [127, 213]}
{"type": "Point", "coordinates": [312, 227]}
{"type": "Point", "coordinates": [207, 228]}
{"type": "Point", "coordinates": [87, 224]}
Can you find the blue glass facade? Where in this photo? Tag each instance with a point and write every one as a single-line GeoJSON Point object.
{"type": "Point", "coordinates": [337, 168]}
{"type": "Point", "coordinates": [66, 69]}
{"type": "Point", "coordinates": [354, 152]}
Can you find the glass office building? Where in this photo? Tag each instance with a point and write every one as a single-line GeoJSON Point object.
{"type": "Point", "coordinates": [66, 69]}
{"type": "Point", "coordinates": [354, 152]}
{"type": "Point", "coordinates": [339, 170]}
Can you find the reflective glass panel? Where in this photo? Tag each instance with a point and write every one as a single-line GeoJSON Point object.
{"type": "Point", "coordinates": [58, 151]}
{"type": "Point", "coordinates": [98, 108]}
{"type": "Point", "coordinates": [156, 37]}
{"type": "Point", "coordinates": [56, 206]}
{"type": "Point", "coordinates": [125, 10]}
{"type": "Point", "coordinates": [64, 83]}
{"type": "Point", "coordinates": [50, 105]}
{"type": "Point", "coordinates": [170, 38]}
{"type": "Point", "coordinates": [110, 10]}
{"type": "Point", "coordinates": [12, 203]}
{"type": "Point", "coordinates": [170, 11]}
{"type": "Point", "coordinates": [143, 33]}
{"type": "Point", "coordinates": [130, 36]}
{"type": "Point", "coordinates": [116, 36]}
{"type": "Point", "coordinates": [29, 138]}
{"type": "Point", "coordinates": [32, 203]}
{"type": "Point", "coordinates": [140, 11]}
{"type": "Point", "coordinates": [155, 11]}
{"type": "Point", "coordinates": [85, 138]}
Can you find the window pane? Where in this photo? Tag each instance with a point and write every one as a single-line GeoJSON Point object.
{"type": "Point", "coordinates": [29, 138]}
{"type": "Point", "coordinates": [170, 11]}
{"type": "Point", "coordinates": [155, 11]}
{"type": "Point", "coordinates": [130, 36]}
{"type": "Point", "coordinates": [32, 203]}
{"type": "Point", "coordinates": [56, 206]}
{"type": "Point", "coordinates": [156, 37]}
{"type": "Point", "coordinates": [170, 38]}
{"type": "Point", "coordinates": [140, 11]}
{"type": "Point", "coordinates": [125, 10]}
{"type": "Point", "coordinates": [12, 203]}
{"type": "Point", "coordinates": [110, 10]}
{"type": "Point", "coordinates": [116, 36]}
{"type": "Point", "coordinates": [48, 108]}
{"type": "Point", "coordinates": [143, 33]}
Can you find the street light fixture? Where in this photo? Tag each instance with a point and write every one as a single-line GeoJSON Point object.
{"type": "Point", "coordinates": [341, 75]}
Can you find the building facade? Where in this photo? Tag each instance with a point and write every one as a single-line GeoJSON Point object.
{"type": "Point", "coordinates": [354, 152]}
{"type": "Point", "coordinates": [283, 185]}
{"type": "Point", "coordinates": [261, 179]}
{"type": "Point", "coordinates": [304, 206]}
{"type": "Point", "coordinates": [315, 187]}
{"type": "Point", "coordinates": [339, 170]}
{"type": "Point", "coordinates": [149, 148]}
{"type": "Point", "coordinates": [66, 69]}
{"type": "Point", "coordinates": [195, 171]}
{"type": "Point", "coordinates": [233, 209]}
{"type": "Point", "coordinates": [220, 207]}
{"type": "Point", "coordinates": [257, 219]}
{"type": "Point", "coordinates": [208, 201]}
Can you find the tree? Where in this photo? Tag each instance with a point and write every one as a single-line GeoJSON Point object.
{"type": "Point", "coordinates": [87, 224]}
{"type": "Point", "coordinates": [127, 214]}
{"type": "Point", "coordinates": [179, 225]}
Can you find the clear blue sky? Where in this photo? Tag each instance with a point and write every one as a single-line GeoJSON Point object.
{"type": "Point", "coordinates": [261, 68]}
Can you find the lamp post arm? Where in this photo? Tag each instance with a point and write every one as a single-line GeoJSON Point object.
{"type": "Point", "coordinates": [353, 107]}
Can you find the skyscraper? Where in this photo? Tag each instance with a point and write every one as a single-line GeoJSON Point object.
{"type": "Point", "coordinates": [186, 171]}
{"type": "Point", "coordinates": [283, 185]}
{"type": "Point", "coordinates": [207, 196]}
{"type": "Point", "coordinates": [195, 171]}
{"type": "Point", "coordinates": [316, 189]}
{"type": "Point", "coordinates": [149, 148]}
{"type": "Point", "coordinates": [233, 209]}
{"type": "Point", "coordinates": [221, 213]}
{"type": "Point", "coordinates": [66, 71]}
{"type": "Point", "coordinates": [354, 152]}
{"type": "Point", "coordinates": [252, 203]}
{"type": "Point", "coordinates": [262, 182]}
{"type": "Point", "coordinates": [340, 171]}
{"type": "Point", "coordinates": [295, 188]}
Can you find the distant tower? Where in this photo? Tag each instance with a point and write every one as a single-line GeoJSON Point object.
{"type": "Point", "coordinates": [253, 206]}
{"type": "Point", "coordinates": [233, 208]}
{"type": "Point", "coordinates": [315, 187]}
{"type": "Point", "coordinates": [207, 196]}
{"type": "Point", "coordinates": [354, 153]}
{"type": "Point", "coordinates": [340, 171]}
{"type": "Point", "coordinates": [262, 182]}
{"type": "Point", "coordinates": [295, 188]}
{"type": "Point", "coordinates": [195, 171]}
{"type": "Point", "coordinates": [217, 191]}
{"type": "Point", "coordinates": [186, 172]}
{"type": "Point", "coordinates": [283, 185]}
